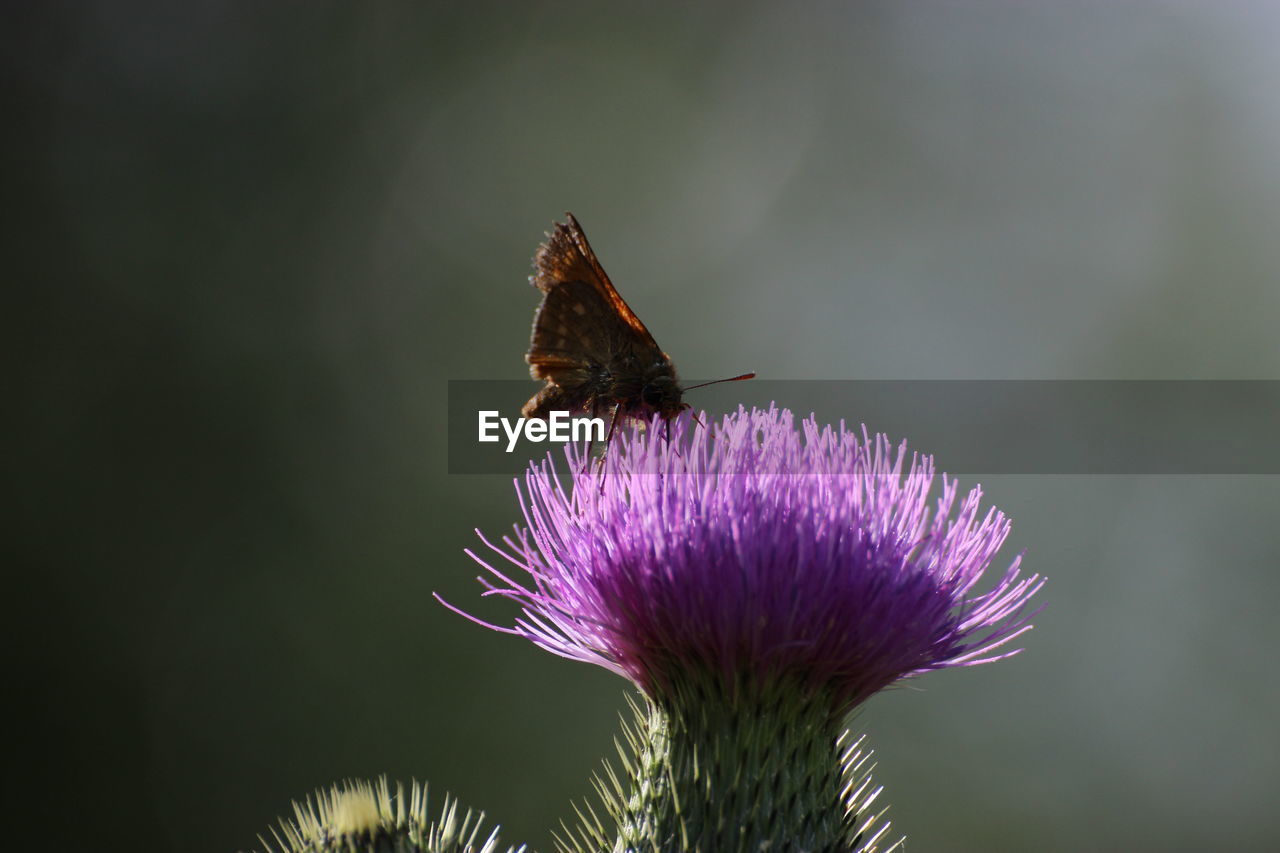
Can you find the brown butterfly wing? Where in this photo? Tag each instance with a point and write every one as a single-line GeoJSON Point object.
{"type": "Point", "coordinates": [573, 328]}
{"type": "Point", "coordinates": [567, 257]}
{"type": "Point", "coordinates": [584, 333]}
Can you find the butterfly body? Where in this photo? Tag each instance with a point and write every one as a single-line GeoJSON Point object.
{"type": "Point", "coordinates": [596, 356]}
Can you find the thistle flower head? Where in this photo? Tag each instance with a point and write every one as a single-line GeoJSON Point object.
{"type": "Point", "coordinates": [363, 815]}
{"type": "Point", "coordinates": [755, 551]}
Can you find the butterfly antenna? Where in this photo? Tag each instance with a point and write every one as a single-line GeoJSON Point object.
{"type": "Point", "coordinates": [751, 375]}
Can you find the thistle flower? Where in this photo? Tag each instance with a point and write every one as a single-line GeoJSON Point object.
{"type": "Point", "coordinates": [360, 815]}
{"type": "Point", "coordinates": [756, 582]}
{"type": "Point", "coordinates": [759, 551]}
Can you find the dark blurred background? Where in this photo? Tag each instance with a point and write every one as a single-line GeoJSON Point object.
{"type": "Point", "coordinates": [248, 243]}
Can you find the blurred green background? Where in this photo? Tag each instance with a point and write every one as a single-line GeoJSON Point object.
{"type": "Point", "coordinates": [249, 243]}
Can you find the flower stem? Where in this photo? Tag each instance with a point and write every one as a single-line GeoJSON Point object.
{"type": "Point", "coordinates": [745, 769]}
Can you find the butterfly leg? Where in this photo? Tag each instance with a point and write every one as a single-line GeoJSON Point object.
{"type": "Point", "coordinates": [590, 456]}
{"type": "Point", "coordinates": [608, 441]}
{"type": "Point", "coordinates": [667, 426]}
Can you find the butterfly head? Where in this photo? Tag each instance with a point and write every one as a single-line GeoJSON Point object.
{"type": "Point", "coordinates": [661, 393]}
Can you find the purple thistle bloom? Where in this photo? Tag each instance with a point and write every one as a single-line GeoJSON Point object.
{"type": "Point", "coordinates": [759, 551]}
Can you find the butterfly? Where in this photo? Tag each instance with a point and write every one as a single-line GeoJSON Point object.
{"type": "Point", "coordinates": [596, 356]}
